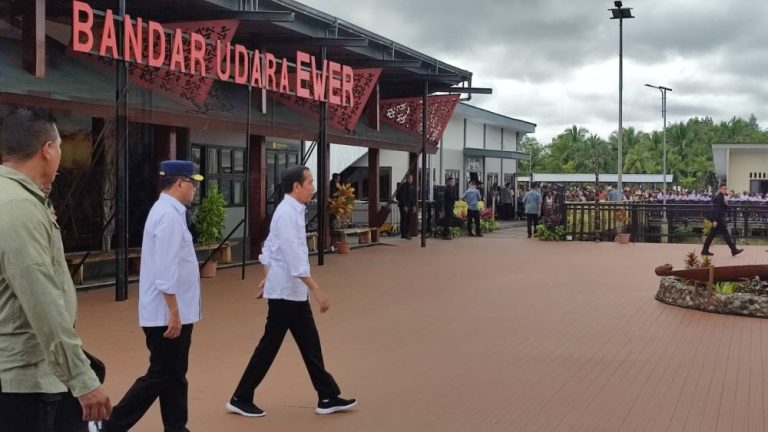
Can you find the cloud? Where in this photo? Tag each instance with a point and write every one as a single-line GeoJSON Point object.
{"type": "Point", "coordinates": [555, 62]}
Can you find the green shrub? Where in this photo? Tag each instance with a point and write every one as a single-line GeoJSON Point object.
{"type": "Point", "coordinates": [545, 233]}
{"type": "Point", "coordinates": [209, 218]}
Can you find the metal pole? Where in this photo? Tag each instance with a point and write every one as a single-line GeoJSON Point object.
{"type": "Point", "coordinates": [621, 86]}
{"type": "Point", "coordinates": [322, 180]}
{"type": "Point", "coordinates": [247, 161]}
{"type": "Point", "coordinates": [664, 221]}
{"type": "Point", "coordinates": [424, 173]}
{"type": "Point", "coordinates": [664, 147]}
{"type": "Point", "coordinates": [121, 198]}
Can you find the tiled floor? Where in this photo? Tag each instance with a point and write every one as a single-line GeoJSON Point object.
{"type": "Point", "coordinates": [492, 334]}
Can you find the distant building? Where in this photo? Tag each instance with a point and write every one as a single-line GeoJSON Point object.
{"type": "Point", "coordinates": [744, 166]}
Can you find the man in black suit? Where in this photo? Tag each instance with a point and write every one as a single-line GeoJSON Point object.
{"type": "Point", "coordinates": [719, 224]}
{"type": "Point", "coordinates": [406, 202]}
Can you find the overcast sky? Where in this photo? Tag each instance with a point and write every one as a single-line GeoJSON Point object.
{"type": "Point", "coordinates": [555, 62]}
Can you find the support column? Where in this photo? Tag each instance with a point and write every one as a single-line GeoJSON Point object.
{"type": "Point", "coordinates": [257, 194]}
{"type": "Point", "coordinates": [424, 174]}
{"type": "Point", "coordinates": [413, 169]}
{"type": "Point", "coordinates": [121, 201]}
{"type": "Point", "coordinates": [33, 37]}
{"type": "Point", "coordinates": [323, 166]}
{"type": "Point", "coordinates": [373, 192]}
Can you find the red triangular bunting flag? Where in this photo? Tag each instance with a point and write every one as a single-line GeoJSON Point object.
{"type": "Point", "coordinates": [340, 117]}
{"type": "Point", "coordinates": [405, 114]}
{"type": "Point", "coordinates": [185, 88]}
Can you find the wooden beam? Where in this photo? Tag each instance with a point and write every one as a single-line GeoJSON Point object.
{"type": "Point", "coordinates": [413, 220]}
{"type": "Point", "coordinates": [373, 191]}
{"type": "Point", "coordinates": [33, 37]}
{"type": "Point", "coordinates": [257, 192]}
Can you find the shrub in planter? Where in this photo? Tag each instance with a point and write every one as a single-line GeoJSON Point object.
{"type": "Point", "coordinates": [209, 221]}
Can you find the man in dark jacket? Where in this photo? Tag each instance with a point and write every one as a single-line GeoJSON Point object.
{"type": "Point", "coordinates": [448, 204]}
{"type": "Point", "coordinates": [406, 202]}
{"type": "Point", "coordinates": [719, 225]}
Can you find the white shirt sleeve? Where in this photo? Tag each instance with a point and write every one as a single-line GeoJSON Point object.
{"type": "Point", "coordinates": [291, 239]}
{"type": "Point", "coordinates": [167, 238]}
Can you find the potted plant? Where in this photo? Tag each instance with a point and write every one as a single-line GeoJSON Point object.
{"type": "Point", "coordinates": [621, 218]}
{"type": "Point", "coordinates": [340, 205]}
{"type": "Point", "coordinates": [209, 225]}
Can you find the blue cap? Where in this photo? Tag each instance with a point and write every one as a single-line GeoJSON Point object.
{"type": "Point", "coordinates": [179, 168]}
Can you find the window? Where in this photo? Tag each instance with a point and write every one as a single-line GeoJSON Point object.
{"type": "Point", "coordinates": [225, 168]}
{"type": "Point", "coordinates": [226, 161]}
{"type": "Point", "coordinates": [239, 156]}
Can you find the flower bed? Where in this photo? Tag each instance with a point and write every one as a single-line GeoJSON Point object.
{"type": "Point", "coordinates": [684, 294]}
{"type": "Point", "coordinates": [748, 297]}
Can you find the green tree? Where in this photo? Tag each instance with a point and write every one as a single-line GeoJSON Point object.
{"type": "Point", "coordinates": [537, 152]}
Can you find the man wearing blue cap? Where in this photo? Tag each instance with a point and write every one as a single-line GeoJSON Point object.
{"type": "Point", "coordinates": [169, 304]}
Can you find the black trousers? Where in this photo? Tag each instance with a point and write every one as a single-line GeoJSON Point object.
{"type": "Point", "coordinates": [446, 223]}
{"type": "Point", "coordinates": [473, 216]}
{"type": "Point", "coordinates": [41, 412]}
{"type": "Point", "coordinates": [405, 221]}
{"type": "Point", "coordinates": [295, 316]}
{"type": "Point", "coordinates": [721, 228]}
{"type": "Point", "coordinates": [531, 219]}
{"type": "Point", "coordinates": [507, 211]}
{"type": "Point", "coordinates": [166, 379]}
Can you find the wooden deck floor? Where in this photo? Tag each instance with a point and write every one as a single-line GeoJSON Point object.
{"type": "Point", "coordinates": [492, 334]}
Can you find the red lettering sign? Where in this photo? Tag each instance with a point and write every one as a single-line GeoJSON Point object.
{"type": "Point", "coordinates": [198, 48]}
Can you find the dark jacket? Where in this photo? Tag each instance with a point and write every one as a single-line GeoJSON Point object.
{"type": "Point", "coordinates": [450, 199]}
{"type": "Point", "coordinates": [719, 208]}
{"type": "Point", "coordinates": [406, 195]}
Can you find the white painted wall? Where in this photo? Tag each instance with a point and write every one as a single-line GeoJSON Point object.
{"type": "Point", "coordinates": [493, 137]}
{"type": "Point", "coordinates": [474, 134]}
{"type": "Point", "coordinates": [453, 137]}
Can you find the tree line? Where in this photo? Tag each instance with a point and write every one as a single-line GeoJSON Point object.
{"type": "Point", "coordinates": [689, 150]}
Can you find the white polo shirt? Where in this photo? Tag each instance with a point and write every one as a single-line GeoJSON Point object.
{"type": "Point", "coordinates": [168, 265]}
{"type": "Point", "coordinates": [285, 253]}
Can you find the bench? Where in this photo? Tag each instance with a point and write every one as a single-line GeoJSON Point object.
{"type": "Point", "coordinates": [363, 234]}
{"type": "Point", "coordinates": [134, 254]}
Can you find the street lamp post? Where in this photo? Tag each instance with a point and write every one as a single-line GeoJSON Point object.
{"type": "Point", "coordinates": [663, 91]}
{"type": "Point", "coordinates": [620, 13]}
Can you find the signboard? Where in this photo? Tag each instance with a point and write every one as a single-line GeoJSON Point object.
{"type": "Point", "coordinates": [187, 51]}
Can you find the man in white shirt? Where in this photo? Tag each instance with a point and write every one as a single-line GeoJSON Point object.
{"type": "Point", "coordinates": [287, 286]}
{"type": "Point", "coordinates": [169, 304]}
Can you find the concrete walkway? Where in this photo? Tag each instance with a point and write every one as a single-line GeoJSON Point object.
{"type": "Point", "coordinates": [474, 334]}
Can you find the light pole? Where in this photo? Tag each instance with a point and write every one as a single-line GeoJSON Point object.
{"type": "Point", "coordinates": [620, 13]}
{"type": "Point", "coordinates": [663, 91]}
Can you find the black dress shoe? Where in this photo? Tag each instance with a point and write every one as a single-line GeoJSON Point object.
{"type": "Point", "coordinates": [736, 252]}
{"type": "Point", "coordinates": [707, 253]}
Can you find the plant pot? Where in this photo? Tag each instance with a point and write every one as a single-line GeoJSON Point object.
{"type": "Point", "coordinates": [209, 269]}
{"type": "Point", "coordinates": [342, 247]}
{"type": "Point", "coordinates": [623, 238]}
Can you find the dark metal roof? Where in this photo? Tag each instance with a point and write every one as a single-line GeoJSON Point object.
{"type": "Point", "coordinates": [498, 154]}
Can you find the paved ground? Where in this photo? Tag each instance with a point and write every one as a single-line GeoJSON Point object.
{"type": "Point", "coordinates": [492, 334]}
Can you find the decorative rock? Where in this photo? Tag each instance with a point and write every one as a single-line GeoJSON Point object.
{"type": "Point", "coordinates": [676, 292]}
